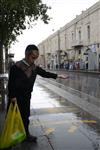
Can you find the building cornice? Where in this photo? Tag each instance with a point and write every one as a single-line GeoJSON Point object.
{"type": "Point", "coordinates": [83, 15]}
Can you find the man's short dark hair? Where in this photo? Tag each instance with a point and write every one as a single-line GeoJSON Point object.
{"type": "Point", "coordinates": [31, 48]}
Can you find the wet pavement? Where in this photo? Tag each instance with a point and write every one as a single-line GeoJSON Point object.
{"type": "Point", "coordinates": [86, 102]}
{"type": "Point", "coordinates": [63, 125]}
{"type": "Point", "coordinates": [59, 124]}
{"type": "Point", "coordinates": [82, 81]}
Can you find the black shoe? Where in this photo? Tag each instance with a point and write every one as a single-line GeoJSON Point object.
{"type": "Point", "coordinates": [31, 138]}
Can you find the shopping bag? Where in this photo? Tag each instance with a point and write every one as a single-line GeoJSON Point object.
{"type": "Point", "coordinates": [13, 131]}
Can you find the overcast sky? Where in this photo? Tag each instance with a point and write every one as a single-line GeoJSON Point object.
{"type": "Point", "coordinates": [62, 12]}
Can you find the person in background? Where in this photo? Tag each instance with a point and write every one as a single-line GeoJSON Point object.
{"type": "Point", "coordinates": [22, 77]}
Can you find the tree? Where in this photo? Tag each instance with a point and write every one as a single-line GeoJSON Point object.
{"type": "Point", "coordinates": [14, 15]}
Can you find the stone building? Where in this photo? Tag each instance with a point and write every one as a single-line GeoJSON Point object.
{"type": "Point", "coordinates": [77, 43]}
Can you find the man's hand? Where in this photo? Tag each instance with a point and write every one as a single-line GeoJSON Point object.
{"type": "Point", "coordinates": [63, 76]}
{"type": "Point", "coordinates": [13, 100]}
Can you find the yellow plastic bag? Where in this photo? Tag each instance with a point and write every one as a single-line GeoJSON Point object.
{"type": "Point", "coordinates": [13, 131]}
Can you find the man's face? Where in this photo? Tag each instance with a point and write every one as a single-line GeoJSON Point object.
{"type": "Point", "coordinates": [33, 56]}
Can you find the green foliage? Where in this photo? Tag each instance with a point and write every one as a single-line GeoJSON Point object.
{"type": "Point", "coordinates": [15, 14]}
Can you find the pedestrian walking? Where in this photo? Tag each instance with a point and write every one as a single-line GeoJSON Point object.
{"type": "Point", "coordinates": [22, 77]}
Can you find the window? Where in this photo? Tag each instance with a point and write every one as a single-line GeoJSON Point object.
{"type": "Point", "coordinates": [72, 36]}
{"type": "Point", "coordinates": [79, 51]}
{"type": "Point", "coordinates": [79, 35]}
{"type": "Point", "coordinates": [88, 32]}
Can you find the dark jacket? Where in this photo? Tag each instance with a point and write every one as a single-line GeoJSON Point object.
{"type": "Point", "coordinates": [20, 84]}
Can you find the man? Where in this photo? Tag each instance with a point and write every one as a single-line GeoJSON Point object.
{"type": "Point", "coordinates": [21, 81]}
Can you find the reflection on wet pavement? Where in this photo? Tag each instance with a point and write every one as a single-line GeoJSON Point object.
{"type": "Point", "coordinates": [41, 99]}
{"type": "Point", "coordinates": [79, 93]}
{"type": "Point", "coordinates": [63, 124]}
{"type": "Point", "coordinates": [83, 82]}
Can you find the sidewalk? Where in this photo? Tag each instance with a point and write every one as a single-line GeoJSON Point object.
{"type": "Point", "coordinates": [42, 143]}
{"type": "Point", "coordinates": [79, 101]}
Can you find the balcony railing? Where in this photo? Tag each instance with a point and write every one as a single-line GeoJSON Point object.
{"type": "Point", "coordinates": [77, 43]}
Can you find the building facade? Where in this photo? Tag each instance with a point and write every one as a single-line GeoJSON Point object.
{"type": "Point", "coordinates": [75, 45]}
